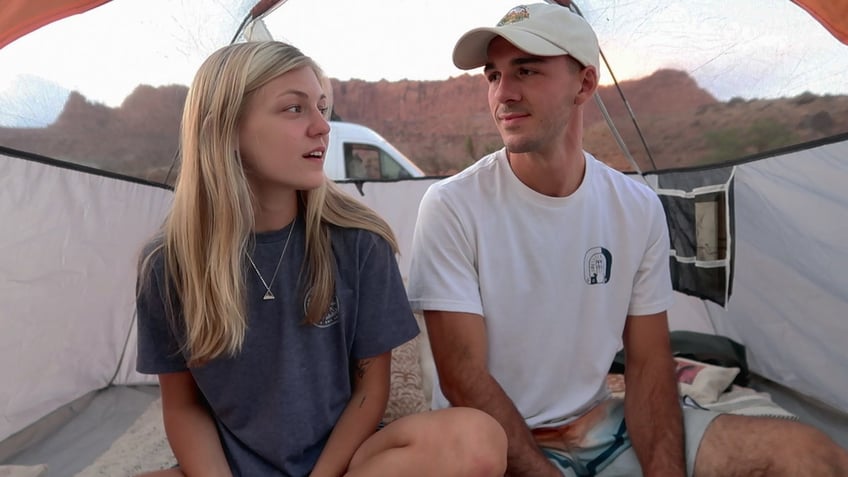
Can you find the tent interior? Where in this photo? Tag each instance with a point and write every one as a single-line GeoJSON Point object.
{"type": "Point", "coordinates": [758, 246]}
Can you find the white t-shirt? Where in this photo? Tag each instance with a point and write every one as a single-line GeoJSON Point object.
{"type": "Point", "coordinates": [553, 277]}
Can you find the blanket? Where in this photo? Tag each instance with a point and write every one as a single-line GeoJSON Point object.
{"type": "Point", "coordinates": [745, 402]}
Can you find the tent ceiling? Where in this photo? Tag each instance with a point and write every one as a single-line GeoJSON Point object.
{"type": "Point", "coordinates": [20, 17]}
{"type": "Point", "coordinates": [833, 14]}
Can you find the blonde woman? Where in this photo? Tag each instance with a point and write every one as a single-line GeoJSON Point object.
{"type": "Point", "coordinates": [270, 303]}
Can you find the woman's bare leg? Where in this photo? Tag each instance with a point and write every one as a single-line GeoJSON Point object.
{"type": "Point", "coordinates": [456, 442]}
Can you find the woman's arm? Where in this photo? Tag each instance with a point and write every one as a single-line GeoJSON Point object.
{"type": "Point", "coordinates": [190, 429]}
{"type": "Point", "coordinates": [360, 418]}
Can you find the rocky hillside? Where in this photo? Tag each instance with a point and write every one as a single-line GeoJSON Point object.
{"type": "Point", "coordinates": [138, 138]}
{"type": "Point", "coordinates": [445, 125]}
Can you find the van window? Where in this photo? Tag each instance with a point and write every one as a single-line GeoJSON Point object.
{"type": "Point", "coordinates": [364, 161]}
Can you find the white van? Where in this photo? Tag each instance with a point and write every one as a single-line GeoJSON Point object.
{"type": "Point", "coordinates": [357, 152]}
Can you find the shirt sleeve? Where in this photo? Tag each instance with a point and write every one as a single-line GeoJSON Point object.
{"type": "Point", "coordinates": [443, 268]}
{"type": "Point", "coordinates": [385, 320]}
{"type": "Point", "coordinates": [158, 348]}
{"type": "Point", "coordinates": [652, 291]}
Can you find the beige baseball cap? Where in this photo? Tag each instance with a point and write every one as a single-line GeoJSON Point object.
{"type": "Point", "coordinates": [539, 29]}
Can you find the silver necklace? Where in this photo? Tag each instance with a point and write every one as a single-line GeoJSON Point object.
{"type": "Point", "coordinates": [268, 294]}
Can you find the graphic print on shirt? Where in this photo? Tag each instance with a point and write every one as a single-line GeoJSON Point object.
{"type": "Point", "coordinates": [331, 316]}
{"type": "Point", "coordinates": [597, 266]}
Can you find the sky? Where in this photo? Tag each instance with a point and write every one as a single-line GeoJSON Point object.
{"type": "Point", "coordinates": [106, 52]}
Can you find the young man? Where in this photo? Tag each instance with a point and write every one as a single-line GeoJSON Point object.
{"type": "Point", "coordinates": [536, 263]}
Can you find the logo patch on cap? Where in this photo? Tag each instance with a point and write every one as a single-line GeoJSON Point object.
{"type": "Point", "coordinates": [515, 15]}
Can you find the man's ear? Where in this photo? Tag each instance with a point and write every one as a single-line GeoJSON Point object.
{"type": "Point", "coordinates": [588, 85]}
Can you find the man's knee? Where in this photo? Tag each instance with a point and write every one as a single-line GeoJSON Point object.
{"type": "Point", "coordinates": [817, 452]}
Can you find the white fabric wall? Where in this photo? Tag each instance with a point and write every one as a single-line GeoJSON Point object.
{"type": "Point", "coordinates": [69, 242]}
{"type": "Point", "coordinates": [397, 203]}
{"type": "Point", "coordinates": [68, 248]}
{"type": "Point", "coordinates": [690, 314]}
{"type": "Point", "coordinates": [790, 298]}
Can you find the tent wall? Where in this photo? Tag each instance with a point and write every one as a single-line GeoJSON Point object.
{"type": "Point", "coordinates": [397, 203]}
{"type": "Point", "coordinates": [691, 314]}
{"type": "Point", "coordinates": [790, 299]}
{"type": "Point", "coordinates": [69, 242]}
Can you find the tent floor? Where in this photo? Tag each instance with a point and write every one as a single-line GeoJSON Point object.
{"type": "Point", "coordinates": [74, 445]}
{"type": "Point", "coordinates": [79, 441]}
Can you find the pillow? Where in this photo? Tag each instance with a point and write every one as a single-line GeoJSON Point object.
{"type": "Point", "coordinates": [711, 349]}
{"type": "Point", "coordinates": [705, 348]}
{"type": "Point", "coordinates": [701, 381]}
{"type": "Point", "coordinates": [22, 470]}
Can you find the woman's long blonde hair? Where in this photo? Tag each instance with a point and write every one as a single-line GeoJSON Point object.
{"type": "Point", "coordinates": [205, 236]}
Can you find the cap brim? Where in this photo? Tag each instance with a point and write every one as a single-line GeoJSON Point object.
{"type": "Point", "coordinates": [471, 51]}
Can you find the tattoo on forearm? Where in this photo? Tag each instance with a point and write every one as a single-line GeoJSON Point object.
{"type": "Point", "coordinates": [359, 373]}
{"type": "Point", "coordinates": [362, 367]}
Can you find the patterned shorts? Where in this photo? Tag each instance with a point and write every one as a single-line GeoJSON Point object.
{"type": "Point", "coordinates": [597, 444]}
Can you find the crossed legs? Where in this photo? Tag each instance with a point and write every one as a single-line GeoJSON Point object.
{"type": "Point", "coordinates": [455, 442]}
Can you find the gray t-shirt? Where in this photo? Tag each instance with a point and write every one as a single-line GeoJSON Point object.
{"type": "Point", "coordinates": [277, 401]}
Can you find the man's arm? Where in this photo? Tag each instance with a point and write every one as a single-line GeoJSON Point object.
{"type": "Point", "coordinates": [458, 341]}
{"type": "Point", "coordinates": [359, 420]}
{"type": "Point", "coordinates": [651, 406]}
{"type": "Point", "coordinates": [190, 429]}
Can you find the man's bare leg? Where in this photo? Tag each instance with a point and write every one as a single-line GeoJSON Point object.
{"type": "Point", "coordinates": [757, 446]}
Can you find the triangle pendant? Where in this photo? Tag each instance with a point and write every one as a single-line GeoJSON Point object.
{"type": "Point", "coordinates": [268, 295]}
